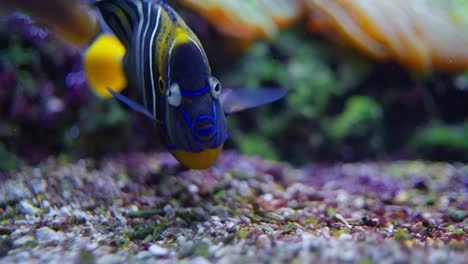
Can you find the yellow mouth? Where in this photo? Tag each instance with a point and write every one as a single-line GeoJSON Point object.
{"type": "Point", "coordinates": [197, 160]}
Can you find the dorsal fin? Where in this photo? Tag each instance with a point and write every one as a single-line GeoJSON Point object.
{"type": "Point", "coordinates": [122, 16]}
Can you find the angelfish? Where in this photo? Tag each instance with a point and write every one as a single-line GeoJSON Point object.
{"type": "Point", "coordinates": [166, 62]}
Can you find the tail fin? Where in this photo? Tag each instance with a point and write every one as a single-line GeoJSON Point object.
{"type": "Point", "coordinates": [122, 16]}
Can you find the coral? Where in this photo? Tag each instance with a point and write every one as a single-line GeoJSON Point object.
{"type": "Point", "coordinates": [72, 20]}
{"type": "Point", "coordinates": [46, 106]}
{"type": "Point", "coordinates": [421, 35]}
{"type": "Point", "coordinates": [249, 19]}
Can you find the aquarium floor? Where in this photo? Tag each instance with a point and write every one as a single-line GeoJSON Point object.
{"type": "Point", "coordinates": [141, 208]}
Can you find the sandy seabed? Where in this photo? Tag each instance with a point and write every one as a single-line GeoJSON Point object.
{"type": "Point", "coordinates": [141, 208]}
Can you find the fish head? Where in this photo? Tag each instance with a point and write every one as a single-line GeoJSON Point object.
{"type": "Point", "coordinates": [195, 124]}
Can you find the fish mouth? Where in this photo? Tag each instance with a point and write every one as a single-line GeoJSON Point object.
{"type": "Point", "coordinates": [203, 124]}
{"type": "Point", "coordinates": [204, 129]}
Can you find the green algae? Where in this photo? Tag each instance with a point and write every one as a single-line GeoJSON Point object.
{"type": "Point", "coordinates": [401, 235]}
{"type": "Point", "coordinates": [243, 232]}
{"type": "Point", "coordinates": [145, 213]}
{"type": "Point", "coordinates": [86, 257]}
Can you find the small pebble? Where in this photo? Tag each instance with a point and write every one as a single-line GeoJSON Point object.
{"type": "Point", "coordinates": [264, 242]}
{"type": "Point", "coordinates": [22, 240]}
{"type": "Point", "coordinates": [143, 255]}
{"type": "Point", "coordinates": [28, 208]}
{"type": "Point", "coordinates": [192, 188]}
{"type": "Point", "coordinates": [48, 235]}
{"type": "Point", "coordinates": [158, 251]}
{"type": "Point", "coordinates": [197, 260]}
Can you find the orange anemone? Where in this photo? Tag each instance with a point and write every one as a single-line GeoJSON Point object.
{"type": "Point", "coordinates": [421, 35]}
{"type": "Point", "coordinates": [251, 20]}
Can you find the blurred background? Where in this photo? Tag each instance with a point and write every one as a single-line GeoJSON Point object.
{"type": "Point", "coordinates": [360, 86]}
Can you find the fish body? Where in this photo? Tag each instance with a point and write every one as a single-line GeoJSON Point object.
{"type": "Point", "coordinates": [146, 45]}
{"type": "Point", "coordinates": [166, 62]}
{"type": "Point", "coordinates": [150, 48]}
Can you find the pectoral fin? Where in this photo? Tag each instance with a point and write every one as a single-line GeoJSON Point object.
{"type": "Point", "coordinates": [235, 100]}
{"type": "Point", "coordinates": [130, 103]}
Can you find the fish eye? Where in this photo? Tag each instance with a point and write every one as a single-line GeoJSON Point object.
{"type": "Point", "coordinates": [215, 86]}
{"type": "Point", "coordinates": [174, 97]}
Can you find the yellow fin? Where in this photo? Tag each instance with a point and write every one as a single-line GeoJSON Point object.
{"type": "Point", "coordinates": [103, 65]}
{"type": "Point", "coordinates": [197, 160]}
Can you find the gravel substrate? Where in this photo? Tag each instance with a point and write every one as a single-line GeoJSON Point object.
{"type": "Point", "coordinates": [142, 208]}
